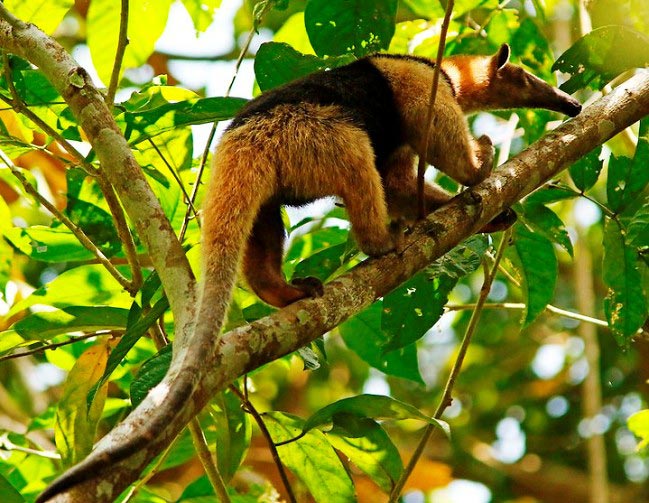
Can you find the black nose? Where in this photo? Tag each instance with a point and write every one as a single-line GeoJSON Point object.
{"type": "Point", "coordinates": [571, 107]}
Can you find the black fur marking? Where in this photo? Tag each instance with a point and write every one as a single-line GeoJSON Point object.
{"type": "Point", "coordinates": [359, 88]}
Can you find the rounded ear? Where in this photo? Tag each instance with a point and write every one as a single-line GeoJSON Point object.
{"type": "Point", "coordinates": [501, 58]}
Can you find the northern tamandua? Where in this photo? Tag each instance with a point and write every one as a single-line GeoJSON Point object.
{"type": "Point", "coordinates": [350, 132]}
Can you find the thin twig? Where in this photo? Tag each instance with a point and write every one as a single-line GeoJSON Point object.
{"type": "Point", "coordinates": [46, 347]}
{"type": "Point", "coordinates": [210, 139]}
{"type": "Point", "coordinates": [8, 445]}
{"type": "Point", "coordinates": [248, 407]}
{"type": "Point", "coordinates": [123, 231]}
{"type": "Point", "coordinates": [76, 230]}
{"type": "Point", "coordinates": [446, 399]}
{"type": "Point", "coordinates": [520, 306]}
{"type": "Point", "coordinates": [421, 165]}
{"type": "Point", "coordinates": [176, 176]}
{"type": "Point", "coordinates": [205, 456]}
{"type": "Point", "coordinates": [122, 42]}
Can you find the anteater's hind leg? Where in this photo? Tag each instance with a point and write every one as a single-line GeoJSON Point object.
{"type": "Point", "coordinates": [262, 263]}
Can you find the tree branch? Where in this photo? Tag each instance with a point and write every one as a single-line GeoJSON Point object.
{"type": "Point", "coordinates": [203, 365]}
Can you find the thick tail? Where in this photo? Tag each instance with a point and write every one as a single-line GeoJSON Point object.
{"type": "Point", "coordinates": [236, 192]}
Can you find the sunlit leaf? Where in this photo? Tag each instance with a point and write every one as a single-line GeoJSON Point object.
{"type": "Point", "coordinates": [88, 285]}
{"type": "Point", "coordinates": [47, 324]}
{"type": "Point", "coordinates": [336, 27]}
{"type": "Point", "coordinates": [311, 459]}
{"type": "Point", "coordinates": [638, 423]}
{"type": "Point", "coordinates": [602, 54]}
{"type": "Point", "coordinates": [75, 422]}
{"type": "Point", "coordinates": [47, 15]}
{"type": "Point", "coordinates": [47, 244]}
{"type": "Point", "coordinates": [201, 12]}
{"type": "Point", "coordinates": [146, 22]}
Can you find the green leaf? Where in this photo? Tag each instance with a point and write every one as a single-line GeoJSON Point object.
{"type": "Point", "coordinates": [96, 223]}
{"type": "Point", "coordinates": [9, 493]}
{"type": "Point", "coordinates": [413, 308]}
{"type": "Point", "coordinates": [311, 459]}
{"type": "Point", "coordinates": [76, 423]}
{"type": "Point", "coordinates": [233, 432]}
{"type": "Point", "coordinates": [321, 264]}
{"type": "Point", "coordinates": [546, 222]}
{"type": "Point", "coordinates": [47, 324]}
{"type": "Point", "coordinates": [344, 413]}
{"type": "Point", "coordinates": [638, 228]}
{"type": "Point", "coordinates": [585, 171]}
{"type": "Point", "coordinates": [6, 251]}
{"type": "Point", "coordinates": [550, 194]}
{"type": "Point", "coordinates": [137, 327]}
{"type": "Point", "coordinates": [146, 22]}
{"type": "Point", "coordinates": [201, 12]}
{"type": "Point", "coordinates": [626, 180]}
{"type": "Point", "coordinates": [147, 116]}
{"type": "Point", "coordinates": [46, 14]}
{"type": "Point", "coordinates": [88, 285]}
{"type": "Point", "coordinates": [363, 335]}
{"type": "Point", "coordinates": [531, 47]}
{"type": "Point", "coordinates": [277, 63]}
{"type": "Point", "coordinates": [427, 9]}
{"type": "Point", "coordinates": [337, 27]}
{"type": "Point", "coordinates": [373, 453]}
{"type": "Point", "coordinates": [601, 55]}
{"type": "Point", "coordinates": [150, 374]}
{"type": "Point", "coordinates": [539, 269]}
{"type": "Point", "coordinates": [638, 423]}
{"type": "Point", "coordinates": [48, 244]}
{"type": "Point", "coordinates": [625, 304]}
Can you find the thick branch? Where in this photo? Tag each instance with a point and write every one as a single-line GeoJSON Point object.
{"type": "Point", "coordinates": [251, 346]}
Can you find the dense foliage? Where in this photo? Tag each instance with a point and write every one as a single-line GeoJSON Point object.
{"type": "Point", "coordinates": [85, 327]}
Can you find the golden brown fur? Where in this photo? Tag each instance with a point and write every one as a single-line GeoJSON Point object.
{"type": "Point", "coordinates": [292, 153]}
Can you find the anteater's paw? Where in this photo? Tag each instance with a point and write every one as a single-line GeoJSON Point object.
{"type": "Point", "coordinates": [503, 221]}
{"type": "Point", "coordinates": [310, 285]}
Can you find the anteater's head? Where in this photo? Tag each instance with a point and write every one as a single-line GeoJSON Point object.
{"type": "Point", "coordinates": [492, 82]}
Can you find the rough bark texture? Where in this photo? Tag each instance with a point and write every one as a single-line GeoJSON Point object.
{"type": "Point", "coordinates": [203, 364]}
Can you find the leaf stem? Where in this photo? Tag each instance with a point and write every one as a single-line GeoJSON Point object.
{"type": "Point", "coordinates": [249, 408]}
{"type": "Point", "coordinates": [122, 42]}
{"type": "Point", "coordinates": [446, 399]}
{"type": "Point", "coordinates": [46, 347]}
